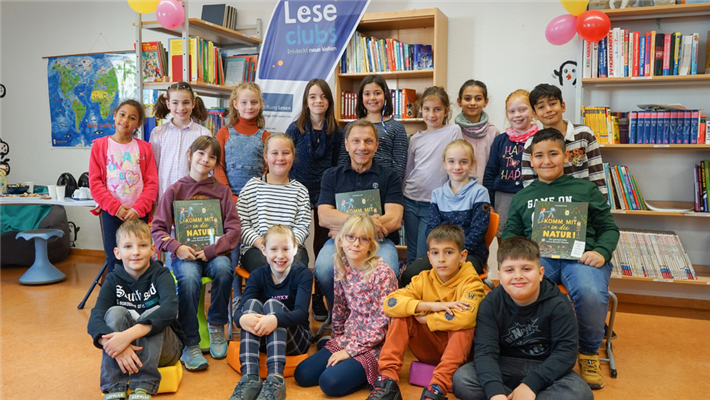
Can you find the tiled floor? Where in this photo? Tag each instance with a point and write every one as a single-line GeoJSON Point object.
{"type": "Point", "coordinates": [45, 352]}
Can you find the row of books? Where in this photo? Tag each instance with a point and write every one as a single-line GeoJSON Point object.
{"type": "Point", "coordinates": [220, 14]}
{"type": "Point", "coordinates": [241, 68]}
{"type": "Point", "coordinates": [701, 179]}
{"type": "Point", "coordinates": [622, 188]}
{"type": "Point", "coordinates": [215, 120]}
{"type": "Point", "coordinates": [646, 126]}
{"type": "Point", "coordinates": [404, 102]}
{"type": "Point", "coordinates": [154, 61]}
{"type": "Point", "coordinates": [651, 254]}
{"type": "Point", "coordinates": [206, 63]}
{"type": "Point", "coordinates": [634, 54]}
{"type": "Point", "coordinates": [370, 54]}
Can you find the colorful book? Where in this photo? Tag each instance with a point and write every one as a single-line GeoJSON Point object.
{"type": "Point", "coordinates": [198, 223]}
{"type": "Point", "coordinates": [660, 51]}
{"type": "Point", "coordinates": [423, 57]}
{"type": "Point", "coordinates": [362, 201]}
{"type": "Point", "coordinates": [560, 229]}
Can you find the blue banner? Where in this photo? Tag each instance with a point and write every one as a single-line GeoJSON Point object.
{"type": "Point", "coordinates": [305, 40]}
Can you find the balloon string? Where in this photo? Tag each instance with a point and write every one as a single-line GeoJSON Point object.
{"type": "Point", "coordinates": [101, 35]}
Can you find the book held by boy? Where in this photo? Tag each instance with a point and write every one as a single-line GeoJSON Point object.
{"type": "Point", "coordinates": [198, 223]}
{"type": "Point", "coordinates": [560, 229]}
{"type": "Point", "coordinates": [362, 201]}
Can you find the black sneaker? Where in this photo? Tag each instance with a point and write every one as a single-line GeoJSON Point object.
{"type": "Point", "coordinates": [385, 389]}
{"type": "Point", "coordinates": [430, 392]}
{"type": "Point", "coordinates": [320, 313]}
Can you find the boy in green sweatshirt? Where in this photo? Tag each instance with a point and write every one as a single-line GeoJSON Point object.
{"type": "Point", "coordinates": [587, 280]}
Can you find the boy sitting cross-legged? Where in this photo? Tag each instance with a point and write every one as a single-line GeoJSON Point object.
{"type": "Point", "coordinates": [435, 315]}
{"type": "Point", "coordinates": [135, 318]}
{"type": "Point", "coordinates": [526, 335]}
{"type": "Point", "coordinates": [586, 279]}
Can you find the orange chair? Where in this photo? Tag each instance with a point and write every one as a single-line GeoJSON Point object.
{"type": "Point", "coordinates": [233, 361]}
{"type": "Point", "coordinates": [493, 222]}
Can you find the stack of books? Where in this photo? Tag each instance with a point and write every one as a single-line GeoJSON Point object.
{"type": "Point", "coordinates": [404, 103]}
{"type": "Point", "coordinates": [154, 61]}
{"type": "Point", "coordinates": [701, 179]}
{"type": "Point", "coordinates": [622, 189]}
{"type": "Point", "coordinates": [205, 61]}
{"type": "Point", "coordinates": [370, 54]}
{"type": "Point", "coordinates": [651, 254]}
{"type": "Point", "coordinates": [215, 119]}
{"type": "Point", "coordinates": [348, 103]}
{"type": "Point", "coordinates": [241, 68]}
{"type": "Point", "coordinates": [635, 54]}
{"type": "Point", "coordinates": [220, 14]}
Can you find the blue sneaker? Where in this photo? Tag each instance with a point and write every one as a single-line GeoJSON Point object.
{"type": "Point", "coordinates": [218, 343]}
{"type": "Point", "coordinates": [193, 359]}
{"type": "Point", "coordinates": [248, 388]}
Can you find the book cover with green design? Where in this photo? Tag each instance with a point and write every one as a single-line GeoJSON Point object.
{"type": "Point", "coordinates": [362, 201]}
{"type": "Point", "coordinates": [198, 223]}
{"type": "Point", "coordinates": [560, 229]}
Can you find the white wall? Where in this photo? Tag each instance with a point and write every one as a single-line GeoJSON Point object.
{"type": "Point", "coordinates": [498, 42]}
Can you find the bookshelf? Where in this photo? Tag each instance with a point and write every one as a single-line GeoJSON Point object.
{"type": "Point", "coordinates": [426, 26]}
{"type": "Point", "coordinates": [220, 36]}
{"type": "Point", "coordinates": [663, 171]}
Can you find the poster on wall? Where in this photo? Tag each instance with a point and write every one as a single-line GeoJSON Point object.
{"type": "Point", "coordinates": [305, 40]}
{"type": "Point", "coordinates": [83, 92]}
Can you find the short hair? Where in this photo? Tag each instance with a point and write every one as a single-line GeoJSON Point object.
{"type": "Point", "coordinates": [518, 247]}
{"type": "Point", "coordinates": [447, 232]}
{"type": "Point", "coordinates": [360, 109]}
{"type": "Point", "coordinates": [468, 148]}
{"type": "Point", "coordinates": [548, 134]}
{"type": "Point", "coordinates": [280, 230]}
{"type": "Point", "coordinates": [362, 123]}
{"type": "Point", "coordinates": [545, 90]}
{"type": "Point", "coordinates": [204, 142]}
{"type": "Point", "coordinates": [137, 227]}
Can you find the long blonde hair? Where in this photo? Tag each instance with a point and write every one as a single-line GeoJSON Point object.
{"type": "Point", "coordinates": [234, 113]}
{"type": "Point", "coordinates": [354, 223]}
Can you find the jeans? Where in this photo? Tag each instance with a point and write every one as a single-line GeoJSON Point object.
{"type": "Point", "coordinates": [243, 158]}
{"type": "Point", "coordinates": [159, 350]}
{"type": "Point", "coordinates": [109, 226]}
{"type": "Point", "coordinates": [254, 258]}
{"type": "Point", "coordinates": [588, 288]}
{"type": "Point", "coordinates": [323, 268]}
{"type": "Point", "coordinates": [416, 219]}
{"type": "Point", "coordinates": [341, 379]}
{"type": "Point", "coordinates": [189, 276]}
{"type": "Point", "coordinates": [513, 371]}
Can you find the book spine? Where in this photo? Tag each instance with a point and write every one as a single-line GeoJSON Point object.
{"type": "Point", "coordinates": [609, 187]}
{"type": "Point", "coordinates": [694, 126]}
{"type": "Point", "coordinates": [623, 171]}
{"type": "Point", "coordinates": [658, 60]}
{"type": "Point", "coordinates": [652, 53]}
{"type": "Point", "coordinates": [602, 58]}
{"type": "Point", "coordinates": [706, 183]}
{"type": "Point", "coordinates": [633, 119]}
{"type": "Point", "coordinates": [620, 188]}
{"type": "Point", "coordinates": [642, 202]}
{"type": "Point", "coordinates": [696, 185]}
{"type": "Point", "coordinates": [635, 55]}
{"type": "Point", "coordinates": [587, 72]}
{"type": "Point", "coordinates": [694, 54]}
{"type": "Point", "coordinates": [611, 63]}
{"type": "Point", "coordinates": [625, 52]}
{"type": "Point", "coordinates": [674, 127]}
{"type": "Point", "coordinates": [676, 53]}
{"type": "Point", "coordinates": [666, 54]}
{"type": "Point", "coordinates": [653, 128]}
{"type": "Point", "coordinates": [702, 129]}
{"type": "Point", "coordinates": [647, 55]}
{"type": "Point", "coordinates": [642, 56]}
{"type": "Point", "coordinates": [686, 126]}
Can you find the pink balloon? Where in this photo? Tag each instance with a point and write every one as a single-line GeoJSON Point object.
{"type": "Point", "coordinates": [593, 25]}
{"type": "Point", "coordinates": [561, 29]}
{"type": "Point", "coordinates": [170, 14]}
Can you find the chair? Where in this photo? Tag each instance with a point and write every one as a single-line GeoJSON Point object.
{"type": "Point", "coordinates": [233, 361]}
{"type": "Point", "coordinates": [42, 271]}
{"type": "Point", "coordinates": [609, 331]}
{"type": "Point", "coordinates": [202, 318]}
{"type": "Point", "coordinates": [493, 222]}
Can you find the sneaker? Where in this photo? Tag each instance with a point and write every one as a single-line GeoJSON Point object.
{"type": "Point", "coordinates": [432, 392]}
{"type": "Point", "coordinates": [218, 343]}
{"type": "Point", "coordinates": [274, 388]}
{"type": "Point", "coordinates": [590, 370]}
{"type": "Point", "coordinates": [606, 332]}
{"type": "Point", "coordinates": [140, 394]}
{"type": "Point", "coordinates": [320, 313]}
{"type": "Point", "coordinates": [385, 388]}
{"type": "Point", "coordinates": [193, 359]}
{"type": "Point", "coordinates": [115, 396]}
{"type": "Point", "coordinates": [247, 388]}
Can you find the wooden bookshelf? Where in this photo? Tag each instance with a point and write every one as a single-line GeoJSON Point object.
{"type": "Point", "coordinates": [661, 213]}
{"type": "Point", "coordinates": [651, 80]}
{"type": "Point", "coordinates": [202, 88]}
{"type": "Point", "coordinates": [404, 121]}
{"type": "Point", "coordinates": [219, 35]}
{"type": "Point", "coordinates": [670, 11]}
{"type": "Point", "coordinates": [699, 147]}
{"type": "Point", "coordinates": [701, 281]}
{"type": "Point", "coordinates": [426, 26]}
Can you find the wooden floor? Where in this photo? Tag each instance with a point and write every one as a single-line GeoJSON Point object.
{"type": "Point", "coordinates": [45, 352]}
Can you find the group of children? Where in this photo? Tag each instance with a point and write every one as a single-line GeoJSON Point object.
{"type": "Point", "coordinates": [528, 340]}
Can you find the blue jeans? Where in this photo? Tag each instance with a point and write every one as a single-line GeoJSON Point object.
{"type": "Point", "coordinates": [588, 288]}
{"type": "Point", "coordinates": [323, 268]}
{"type": "Point", "coordinates": [341, 379]}
{"type": "Point", "coordinates": [159, 350]}
{"type": "Point", "coordinates": [243, 158]}
{"type": "Point", "coordinates": [416, 219]}
{"type": "Point", "coordinates": [189, 276]}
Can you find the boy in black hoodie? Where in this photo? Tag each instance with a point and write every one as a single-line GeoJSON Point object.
{"type": "Point", "coordinates": [134, 320]}
{"type": "Point", "coordinates": [526, 335]}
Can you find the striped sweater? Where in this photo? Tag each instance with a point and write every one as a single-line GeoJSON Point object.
{"type": "Point", "coordinates": [262, 205]}
{"type": "Point", "coordinates": [585, 160]}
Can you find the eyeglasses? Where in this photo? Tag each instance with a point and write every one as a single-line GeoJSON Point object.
{"type": "Point", "coordinates": [352, 238]}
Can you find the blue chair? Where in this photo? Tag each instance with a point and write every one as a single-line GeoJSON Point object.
{"type": "Point", "coordinates": [42, 271]}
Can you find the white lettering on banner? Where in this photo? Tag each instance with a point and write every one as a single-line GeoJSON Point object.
{"type": "Point", "coordinates": [304, 13]}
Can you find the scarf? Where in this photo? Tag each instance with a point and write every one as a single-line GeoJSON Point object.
{"type": "Point", "coordinates": [319, 140]}
{"type": "Point", "coordinates": [475, 131]}
{"type": "Point", "coordinates": [521, 137]}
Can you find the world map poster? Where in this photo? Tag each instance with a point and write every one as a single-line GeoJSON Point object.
{"type": "Point", "coordinates": [84, 90]}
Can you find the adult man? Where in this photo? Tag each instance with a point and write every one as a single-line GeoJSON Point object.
{"type": "Point", "coordinates": [362, 173]}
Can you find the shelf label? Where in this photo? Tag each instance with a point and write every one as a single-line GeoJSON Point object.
{"type": "Point", "coordinates": [618, 212]}
{"type": "Point", "coordinates": [663, 280]}
{"type": "Point", "coordinates": [691, 214]}
{"type": "Point", "coordinates": [640, 77]}
{"type": "Point", "coordinates": [601, 145]}
{"type": "Point", "coordinates": [620, 277]}
{"type": "Point", "coordinates": [659, 146]}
